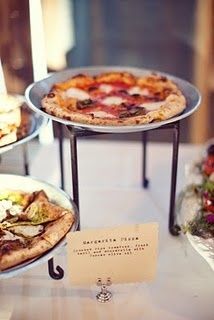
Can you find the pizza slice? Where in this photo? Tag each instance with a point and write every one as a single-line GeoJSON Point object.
{"type": "Point", "coordinates": [27, 231]}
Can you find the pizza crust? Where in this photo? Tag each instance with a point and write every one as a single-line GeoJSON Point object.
{"type": "Point", "coordinates": [112, 77]}
{"type": "Point", "coordinates": [173, 105]}
{"type": "Point", "coordinates": [173, 101]}
{"type": "Point", "coordinates": [53, 233]}
{"type": "Point", "coordinates": [18, 256]}
{"type": "Point", "coordinates": [77, 81]}
{"type": "Point", "coordinates": [8, 138]}
{"type": "Point", "coordinates": [57, 229]}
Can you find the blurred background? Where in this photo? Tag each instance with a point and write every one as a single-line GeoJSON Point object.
{"type": "Point", "coordinates": [166, 35]}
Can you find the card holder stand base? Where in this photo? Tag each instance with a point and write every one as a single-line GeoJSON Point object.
{"type": "Point", "coordinates": [104, 295]}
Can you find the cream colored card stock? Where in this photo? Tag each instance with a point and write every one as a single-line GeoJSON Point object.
{"type": "Point", "coordinates": [123, 254]}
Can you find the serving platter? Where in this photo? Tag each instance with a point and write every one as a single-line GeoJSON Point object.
{"type": "Point", "coordinates": [56, 195]}
{"type": "Point", "coordinates": [35, 92]}
{"type": "Point", "coordinates": [186, 207]}
{"type": "Point", "coordinates": [35, 123]}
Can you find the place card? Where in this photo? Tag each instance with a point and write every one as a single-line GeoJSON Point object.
{"type": "Point", "coordinates": [6, 310]}
{"type": "Point", "coordinates": [123, 254]}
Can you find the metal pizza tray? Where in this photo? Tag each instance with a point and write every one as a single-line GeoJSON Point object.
{"type": "Point", "coordinates": [36, 123]}
{"type": "Point", "coordinates": [35, 92]}
{"type": "Point", "coordinates": [56, 195]}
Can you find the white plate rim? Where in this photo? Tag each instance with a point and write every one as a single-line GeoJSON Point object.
{"type": "Point", "coordinates": [198, 243]}
{"type": "Point", "coordinates": [14, 271]}
{"type": "Point", "coordinates": [40, 122]}
{"type": "Point", "coordinates": [112, 129]}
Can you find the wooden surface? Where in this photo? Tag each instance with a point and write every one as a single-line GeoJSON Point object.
{"type": "Point", "coordinates": [201, 122]}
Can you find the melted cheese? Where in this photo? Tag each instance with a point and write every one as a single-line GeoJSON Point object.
{"type": "Point", "coordinates": [138, 90]}
{"type": "Point", "coordinates": [3, 125]}
{"type": "Point", "coordinates": [15, 209]}
{"type": "Point", "coordinates": [106, 88]}
{"type": "Point", "coordinates": [151, 106]}
{"type": "Point", "coordinates": [9, 102]}
{"type": "Point", "coordinates": [7, 205]}
{"type": "Point", "coordinates": [8, 236]}
{"type": "Point", "coordinates": [102, 114]}
{"type": "Point", "coordinates": [112, 100]}
{"type": "Point", "coordinates": [3, 214]}
{"type": "Point", "coordinates": [11, 117]}
{"type": "Point", "coordinates": [27, 231]}
{"type": "Point", "coordinates": [77, 94]}
{"type": "Point", "coordinates": [4, 206]}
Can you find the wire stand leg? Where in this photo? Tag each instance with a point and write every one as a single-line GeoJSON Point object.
{"type": "Point", "coordinates": [174, 229]}
{"type": "Point", "coordinates": [61, 156]}
{"type": "Point", "coordinates": [25, 156]}
{"type": "Point", "coordinates": [74, 168]}
{"type": "Point", "coordinates": [59, 273]}
{"type": "Point", "coordinates": [53, 274]}
{"type": "Point", "coordinates": [145, 180]}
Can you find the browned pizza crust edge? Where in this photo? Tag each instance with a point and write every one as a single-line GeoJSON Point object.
{"type": "Point", "coordinates": [173, 105]}
{"type": "Point", "coordinates": [53, 233]}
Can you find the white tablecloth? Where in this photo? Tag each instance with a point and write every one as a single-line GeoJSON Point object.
{"type": "Point", "coordinates": [111, 195]}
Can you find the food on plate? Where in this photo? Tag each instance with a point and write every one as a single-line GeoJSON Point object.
{"type": "Point", "coordinates": [202, 222]}
{"type": "Point", "coordinates": [115, 99]}
{"type": "Point", "coordinates": [10, 118]}
{"type": "Point", "coordinates": [30, 225]}
{"type": "Point", "coordinates": [208, 162]}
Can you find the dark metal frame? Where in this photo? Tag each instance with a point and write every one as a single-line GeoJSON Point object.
{"type": "Point", "coordinates": [26, 160]}
{"type": "Point", "coordinates": [173, 227]}
{"type": "Point", "coordinates": [58, 273]}
{"type": "Point", "coordinates": [75, 133]}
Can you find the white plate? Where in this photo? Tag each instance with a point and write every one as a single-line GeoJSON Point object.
{"type": "Point", "coordinates": [29, 184]}
{"type": "Point", "coordinates": [37, 122]}
{"type": "Point", "coordinates": [205, 247]}
{"type": "Point", "coordinates": [186, 208]}
{"type": "Point", "coordinates": [35, 92]}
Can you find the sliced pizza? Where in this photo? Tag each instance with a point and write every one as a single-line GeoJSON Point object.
{"type": "Point", "coordinates": [30, 225]}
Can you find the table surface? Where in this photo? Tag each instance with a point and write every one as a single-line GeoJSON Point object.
{"type": "Point", "coordinates": [111, 195]}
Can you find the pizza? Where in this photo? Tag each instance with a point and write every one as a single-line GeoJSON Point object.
{"type": "Point", "coordinates": [15, 119]}
{"type": "Point", "coordinates": [10, 118]}
{"type": "Point", "coordinates": [26, 125]}
{"type": "Point", "coordinates": [114, 99]}
{"type": "Point", "coordinates": [198, 203]}
{"type": "Point", "coordinates": [30, 225]}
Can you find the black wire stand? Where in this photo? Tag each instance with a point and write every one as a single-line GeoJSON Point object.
{"type": "Point", "coordinates": [75, 133]}
{"type": "Point", "coordinates": [35, 92]}
{"type": "Point", "coordinates": [57, 272]}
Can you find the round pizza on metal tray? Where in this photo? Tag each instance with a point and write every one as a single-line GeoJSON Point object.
{"type": "Point", "coordinates": [114, 99]}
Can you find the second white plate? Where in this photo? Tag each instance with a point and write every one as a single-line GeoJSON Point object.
{"type": "Point", "coordinates": [56, 195]}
